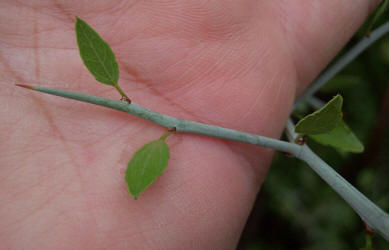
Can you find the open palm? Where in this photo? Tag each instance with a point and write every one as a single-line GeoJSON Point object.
{"type": "Point", "coordinates": [237, 64]}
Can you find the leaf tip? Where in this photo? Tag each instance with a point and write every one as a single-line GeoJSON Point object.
{"type": "Point", "coordinates": [339, 96]}
{"type": "Point", "coordinates": [133, 193]}
{"type": "Point", "coordinates": [359, 148]}
{"type": "Point", "coordinates": [77, 22]}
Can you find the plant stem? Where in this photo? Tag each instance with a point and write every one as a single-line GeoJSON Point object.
{"type": "Point", "coordinates": [374, 217]}
{"type": "Point", "coordinates": [121, 91]}
{"type": "Point", "coordinates": [164, 136]}
{"type": "Point", "coordinates": [344, 61]}
{"type": "Point", "coordinates": [166, 121]}
{"type": "Point", "coordinates": [315, 102]}
{"type": "Point", "coordinates": [381, 9]}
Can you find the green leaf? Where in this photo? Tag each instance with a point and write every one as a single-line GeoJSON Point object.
{"type": "Point", "coordinates": [96, 54]}
{"type": "Point", "coordinates": [323, 120]}
{"type": "Point", "coordinates": [146, 165]}
{"type": "Point", "coordinates": [340, 137]}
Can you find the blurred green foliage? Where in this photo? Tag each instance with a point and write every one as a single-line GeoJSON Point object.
{"type": "Point", "coordinates": [295, 208]}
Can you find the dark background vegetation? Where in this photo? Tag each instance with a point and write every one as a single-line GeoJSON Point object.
{"type": "Point", "coordinates": [295, 208]}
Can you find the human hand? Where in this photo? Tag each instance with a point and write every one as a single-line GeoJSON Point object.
{"type": "Point", "coordinates": [236, 64]}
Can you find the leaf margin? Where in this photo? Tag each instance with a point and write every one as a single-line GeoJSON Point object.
{"type": "Point", "coordinates": [337, 102]}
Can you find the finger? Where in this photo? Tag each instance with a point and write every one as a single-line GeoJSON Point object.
{"type": "Point", "coordinates": [317, 30]}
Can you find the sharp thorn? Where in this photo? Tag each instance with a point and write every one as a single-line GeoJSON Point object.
{"type": "Point", "coordinates": [25, 86]}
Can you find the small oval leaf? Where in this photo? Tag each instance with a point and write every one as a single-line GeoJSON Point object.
{"type": "Point", "coordinates": [323, 120]}
{"type": "Point", "coordinates": [340, 137]}
{"type": "Point", "coordinates": [146, 165]}
{"type": "Point", "coordinates": [96, 54]}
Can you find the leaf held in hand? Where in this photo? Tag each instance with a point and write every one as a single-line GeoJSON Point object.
{"type": "Point", "coordinates": [340, 137]}
{"type": "Point", "coordinates": [146, 165]}
{"type": "Point", "coordinates": [96, 54]}
{"type": "Point", "coordinates": [323, 120]}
